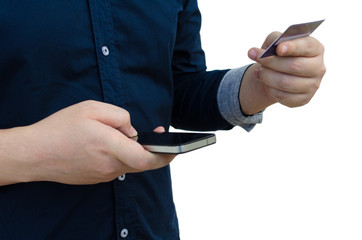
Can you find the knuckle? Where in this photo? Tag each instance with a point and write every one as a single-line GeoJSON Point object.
{"type": "Point", "coordinates": [89, 103]}
{"type": "Point", "coordinates": [316, 85]}
{"type": "Point", "coordinates": [309, 47]}
{"type": "Point", "coordinates": [323, 70]}
{"type": "Point", "coordinates": [298, 102]}
{"type": "Point", "coordinates": [296, 67]}
{"type": "Point", "coordinates": [90, 106]}
{"type": "Point", "coordinates": [284, 83]}
{"type": "Point", "coordinates": [306, 100]}
{"type": "Point", "coordinates": [303, 101]}
{"type": "Point", "coordinates": [313, 86]}
{"type": "Point", "coordinates": [321, 48]}
{"type": "Point", "coordinates": [292, 104]}
{"type": "Point", "coordinates": [126, 115]}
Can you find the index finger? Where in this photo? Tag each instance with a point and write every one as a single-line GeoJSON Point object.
{"type": "Point", "coordinates": [301, 47]}
{"type": "Point", "coordinates": [110, 115]}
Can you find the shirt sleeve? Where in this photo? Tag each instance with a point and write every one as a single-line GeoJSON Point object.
{"type": "Point", "coordinates": [203, 100]}
{"type": "Point", "coordinates": [194, 88]}
{"type": "Point", "coordinates": [228, 100]}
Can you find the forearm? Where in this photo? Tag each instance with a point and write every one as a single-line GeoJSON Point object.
{"type": "Point", "coordinates": [15, 165]}
{"type": "Point", "coordinates": [210, 100]}
{"type": "Point", "coordinates": [195, 101]}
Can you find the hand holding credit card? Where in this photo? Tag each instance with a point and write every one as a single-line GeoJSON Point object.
{"type": "Point", "coordinates": [292, 32]}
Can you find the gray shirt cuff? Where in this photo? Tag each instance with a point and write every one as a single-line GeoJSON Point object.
{"type": "Point", "coordinates": [228, 100]}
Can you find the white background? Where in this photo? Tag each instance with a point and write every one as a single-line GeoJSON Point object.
{"type": "Point", "coordinates": [298, 175]}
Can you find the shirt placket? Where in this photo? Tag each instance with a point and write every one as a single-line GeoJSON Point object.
{"type": "Point", "coordinates": [112, 87]}
{"type": "Point", "coordinates": [102, 23]}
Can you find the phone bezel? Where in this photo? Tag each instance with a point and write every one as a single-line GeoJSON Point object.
{"type": "Point", "coordinates": [181, 142]}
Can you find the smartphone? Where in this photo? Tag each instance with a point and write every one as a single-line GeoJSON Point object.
{"type": "Point", "coordinates": [171, 142]}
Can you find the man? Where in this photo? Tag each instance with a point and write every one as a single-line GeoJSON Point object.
{"type": "Point", "coordinates": [78, 78]}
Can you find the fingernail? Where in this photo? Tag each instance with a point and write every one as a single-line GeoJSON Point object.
{"type": "Point", "coordinates": [256, 72]}
{"type": "Point", "coordinates": [133, 132]}
{"type": "Point", "coordinates": [253, 54]}
{"type": "Point", "coordinates": [159, 129]}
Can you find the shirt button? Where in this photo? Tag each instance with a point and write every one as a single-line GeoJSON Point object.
{"type": "Point", "coordinates": [124, 233]}
{"type": "Point", "coordinates": [105, 51]}
{"type": "Point", "coordinates": [122, 177]}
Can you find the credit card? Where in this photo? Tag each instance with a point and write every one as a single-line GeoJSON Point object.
{"type": "Point", "coordinates": [293, 32]}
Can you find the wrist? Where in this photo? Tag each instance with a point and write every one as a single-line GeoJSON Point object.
{"type": "Point", "coordinates": [17, 162]}
{"type": "Point", "coordinates": [252, 95]}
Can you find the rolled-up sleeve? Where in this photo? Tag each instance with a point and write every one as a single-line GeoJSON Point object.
{"type": "Point", "coordinates": [228, 100]}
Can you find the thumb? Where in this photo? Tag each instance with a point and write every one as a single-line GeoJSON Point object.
{"type": "Point", "coordinates": [254, 53]}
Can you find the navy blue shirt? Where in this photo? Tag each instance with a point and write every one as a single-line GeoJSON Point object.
{"type": "Point", "coordinates": [144, 56]}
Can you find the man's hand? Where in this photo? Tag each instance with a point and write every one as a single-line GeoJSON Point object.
{"type": "Point", "coordinates": [85, 143]}
{"type": "Point", "coordinates": [290, 78]}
